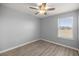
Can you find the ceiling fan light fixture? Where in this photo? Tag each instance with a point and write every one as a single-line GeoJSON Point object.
{"type": "Point", "coordinates": [42, 9]}
{"type": "Point", "coordinates": [42, 12]}
{"type": "Point", "coordinates": [46, 8]}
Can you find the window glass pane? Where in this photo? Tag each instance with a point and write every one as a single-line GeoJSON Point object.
{"type": "Point", "coordinates": [65, 27]}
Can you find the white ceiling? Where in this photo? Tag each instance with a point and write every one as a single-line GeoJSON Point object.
{"type": "Point", "coordinates": [59, 8]}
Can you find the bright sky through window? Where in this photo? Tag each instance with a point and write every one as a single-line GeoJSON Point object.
{"type": "Point", "coordinates": [68, 22]}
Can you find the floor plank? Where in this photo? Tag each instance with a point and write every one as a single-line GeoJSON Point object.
{"type": "Point", "coordinates": [41, 48]}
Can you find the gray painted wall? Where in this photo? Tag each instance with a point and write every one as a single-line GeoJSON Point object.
{"type": "Point", "coordinates": [49, 29]}
{"type": "Point", "coordinates": [17, 28]}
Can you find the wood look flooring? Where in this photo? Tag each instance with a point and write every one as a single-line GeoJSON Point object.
{"type": "Point", "coordinates": [41, 48]}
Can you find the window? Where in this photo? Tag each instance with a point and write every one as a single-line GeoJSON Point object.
{"type": "Point", "coordinates": [65, 27]}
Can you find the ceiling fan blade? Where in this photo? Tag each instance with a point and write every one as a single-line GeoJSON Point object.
{"type": "Point", "coordinates": [50, 9]}
{"type": "Point", "coordinates": [36, 13]}
{"type": "Point", "coordinates": [33, 8]}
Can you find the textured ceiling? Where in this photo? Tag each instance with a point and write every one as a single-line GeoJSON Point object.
{"type": "Point", "coordinates": [59, 8]}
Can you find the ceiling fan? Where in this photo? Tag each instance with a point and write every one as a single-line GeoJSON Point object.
{"type": "Point", "coordinates": [42, 9]}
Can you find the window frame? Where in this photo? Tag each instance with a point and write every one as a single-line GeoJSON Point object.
{"type": "Point", "coordinates": [60, 17]}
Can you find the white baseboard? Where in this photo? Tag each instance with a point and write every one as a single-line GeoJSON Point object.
{"type": "Point", "coordinates": [17, 46]}
{"type": "Point", "coordinates": [60, 44]}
